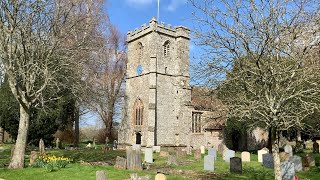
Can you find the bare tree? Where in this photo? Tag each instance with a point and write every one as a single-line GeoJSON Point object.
{"type": "Point", "coordinates": [41, 42]}
{"type": "Point", "coordinates": [106, 72]}
{"type": "Point", "coordinates": [256, 53]}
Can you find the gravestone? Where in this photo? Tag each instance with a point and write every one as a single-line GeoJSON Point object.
{"type": "Point", "coordinates": [160, 176]}
{"type": "Point", "coordinates": [296, 160]}
{"type": "Point", "coordinates": [94, 142]}
{"type": "Point", "coordinates": [189, 150]}
{"type": "Point", "coordinates": [156, 149]}
{"type": "Point", "coordinates": [135, 176]}
{"type": "Point", "coordinates": [221, 148]}
{"type": "Point", "coordinates": [284, 156]}
{"type": "Point", "coordinates": [181, 154]}
{"type": "Point", "coordinates": [33, 157]}
{"type": "Point", "coordinates": [115, 145]}
{"type": "Point", "coordinates": [212, 152]}
{"type": "Point", "coordinates": [267, 160]}
{"type": "Point", "coordinates": [148, 155]}
{"type": "Point", "coordinates": [308, 161]}
{"type": "Point", "coordinates": [228, 154]}
{"type": "Point", "coordinates": [235, 165]}
{"type": "Point", "coordinates": [41, 148]}
{"type": "Point", "coordinates": [172, 160]}
{"type": "Point", "coordinates": [57, 143]}
{"type": "Point", "coordinates": [261, 152]}
{"type": "Point", "coordinates": [134, 160]}
{"type": "Point", "coordinates": [287, 170]}
{"type": "Point", "coordinates": [288, 149]}
{"type": "Point", "coordinates": [101, 175]}
{"type": "Point", "coordinates": [121, 163]}
{"type": "Point", "coordinates": [197, 154]}
{"type": "Point", "coordinates": [315, 147]}
{"type": "Point", "coordinates": [164, 154]}
{"type": "Point", "coordinates": [208, 163]}
{"type": "Point", "coordinates": [203, 150]}
{"type": "Point", "coordinates": [245, 156]}
{"type": "Point", "coordinates": [89, 145]}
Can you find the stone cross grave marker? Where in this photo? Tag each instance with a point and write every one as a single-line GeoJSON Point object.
{"type": "Point", "coordinates": [267, 160]}
{"type": "Point", "coordinates": [212, 152]}
{"type": "Point", "coordinates": [315, 147]}
{"type": "Point", "coordinates": [228, 154]}
{"type": "Point", "coordinates": [57, 143]}
{"type": "Point", "coordinates": [101, 175]}
{"type": "Point", "coordinates": [288, 149]}
{"type": "Point", "coordinates": [235, 165]}
{"type": "Point", "coordinates": [33, 157]}
{"type": "Point", "coordinates": [245, 156]}
{"type": "Point", "coordinates": [287, 170]}
{"type": "Point", "coordinates": [148, 155]}
{"type": "Point", "coordinates": [160, 176]}
{"type": "Point", "coordinates": [41, 148]}
{"type": "Point", "coordinates": [261, 152]}
{"type": "Point", "coordinates": [297, 161]}
{"type": "Point", "coordinates": [134, 160]}
{"type": "Point", "coordinates": [208, 163]}
{"type": "Point", "coordinates": [197, 154]}
{"type": "Point", "coordinates": [203, 150]}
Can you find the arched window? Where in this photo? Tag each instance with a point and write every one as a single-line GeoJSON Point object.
{"type": "Point", "coordinates": [138, 112]}
{"type": "Point", "coordinates": [166, 48]}
{"type": "Point", "coordinates": [140, 50]}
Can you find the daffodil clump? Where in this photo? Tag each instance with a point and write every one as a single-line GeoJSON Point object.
{"type": "Point", "coordinates": [52, 162]}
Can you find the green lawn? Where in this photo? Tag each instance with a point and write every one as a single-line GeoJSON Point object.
{"type": "Point", "coordinates": [189, 169]}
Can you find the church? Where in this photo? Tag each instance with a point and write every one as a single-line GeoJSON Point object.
{"type": "Point", "coordinates": [161, 108]}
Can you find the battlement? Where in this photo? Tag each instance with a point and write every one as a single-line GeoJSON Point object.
{"type": "Point", "coordinates": [153, 26]}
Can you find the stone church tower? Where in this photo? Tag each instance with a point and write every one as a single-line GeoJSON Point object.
{"type": "Point", "coordinates": [158, 96]}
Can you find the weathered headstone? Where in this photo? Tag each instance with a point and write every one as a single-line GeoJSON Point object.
{"type": "Point", "coordinates": [208, 163]}
{"type": "Point", "coordinates": [134, 160]}
{"type": "Point", "coordinates": [181, 154]}
{"type": "Point", "coordinates": [197, 154]}
{"type": "Point", "coordinates": [228, 154]}
{"type": "Point", "coordinates": [287, 170]}
{"type": "Point", "coordinates": [33, 157]}
{"type": "Point", "coordinates": [101, 175]}
{"type": "Point", "coordinates": [315, 147]}
{"type": "Point", "coordinates": [57, 143]}
{"type": "Point", "coordinates": [261, 152]}
{"type": "Point", "coordinates": [288, 149]}
{"type": "Point", "coordinates": [148, 155]}
{"type": "Point", "coordinates": [172, 160]}
{"type": "Point", "coordinates": [156, 148]}
{"type": "Point", "coordinates": [235, 165]}
{"type": "Point", "coordinates": [189, 150]}
{"type": "Point", "coordinates": [245, 156]}
{"type": "Point", "coordinates": [296, 160]}
{"type": "Point", "coordinates": [308, 161]}
{"type": "Point", "coordinates": [115, 145]}
{"type": "Point", "coordinates": [121, 163]}
{"type": "Point", "coordinates": [160, 176]}
{"type": "Point", "coordinates": [203, 150]}
{"type": "Point", "coordinates": [106, 141]}
{"type": "Point", "coordinates": [41, 148]}
{"type": "Point", "coordinates": [164, 154]}
{"type": "Point", "coordinates": [221, 148]}
{"type": "Point", "coordinates": [212, 152]}
{"type": "Point", "coordinates": [267, 160]}
{"type": "Point", "coordinates": [135, 176]}
{"type": "Point", "coordinates": [284, 156]}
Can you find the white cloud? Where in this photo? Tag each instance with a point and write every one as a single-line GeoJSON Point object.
{"type": "Point", "coordinates": [174, 4]}
{"type": "Point", "coordinates": [140, 2]}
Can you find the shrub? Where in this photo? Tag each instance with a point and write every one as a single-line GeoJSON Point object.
{"type": "Point", "coordinates": [51, 162]}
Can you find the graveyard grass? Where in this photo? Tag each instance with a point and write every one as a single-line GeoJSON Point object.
{"type": "Point", "coordinates": [188, 169]}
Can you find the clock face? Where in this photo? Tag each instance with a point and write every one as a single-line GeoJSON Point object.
{"type": "Point", "coordinates": [139, 69]}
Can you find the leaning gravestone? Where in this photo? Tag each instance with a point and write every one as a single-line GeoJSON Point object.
{"type": "Point", "coordinates": [160, 176]}
{"type": "Point", "coordinates": [41, 148]}
{"type": "Point", "coordinates": [212, 152]}
{"type": "Point", "coordinates": [33, 157]}
{"type": "Point", "coordinates": [315, 147]}
{"type": "Point", "coordinates": [203, 150]}
{"type": "Point", "coordinates": [101, 175]}
{"type": "Point", "coordinates": [148, 155]}
{"type": "Point", "coordinates": [197, 154]}
{"type": "Point", "coordinates": [287, 170]}
{"type": "Point", "coordinates": [235, 165]}
{"type": "Point", "coordinates": [245, 156]}
{"type": "Point", "coordinates": [228, 154]}
{"type": "Point", "coordinates": [288, 149]}
{"type": "Point", "coordinates": [121, 163]}
{"type": "Point", "coordinates": [267, 160]}
{"type": "Point", "coordinates": [261, 152]}
{"type": "Point", "coordinates": [208, 163]}
{"type": "Point", "coordinates": [296, 160]}
{"type": "Point", "coordinates": [172, 160]}
{"type": "Point", "coordinates": [134, 160]}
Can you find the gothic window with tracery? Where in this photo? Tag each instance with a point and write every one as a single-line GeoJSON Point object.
{"type": "Point", "coordinates": [166, 48]}
{"type": "Point", "coordinates": [196, 122]}
{"type": "Point", "coordinates": [138, 112]}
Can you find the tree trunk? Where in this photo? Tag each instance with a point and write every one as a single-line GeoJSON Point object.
{"type": "Point", "coordinates": [76, 127]}
{"type": "Point", "coordinates": [275, 153]}
{"type": "Point", "coordinates": [1, 135]}
{"type": "Point", "coordinates": [109, 125]}
{"type": "Point", "coordinates": [17, 160]}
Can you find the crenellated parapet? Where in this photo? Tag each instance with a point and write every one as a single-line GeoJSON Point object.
{"type": "Point", "coordinates": [153, 26]}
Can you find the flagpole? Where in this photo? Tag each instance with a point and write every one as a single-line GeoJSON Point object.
{"type": "Point", "coordinates": [158, 10]}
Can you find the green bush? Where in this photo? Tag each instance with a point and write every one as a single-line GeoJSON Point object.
{"type": "Point", "coordinates": [51, 162]}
